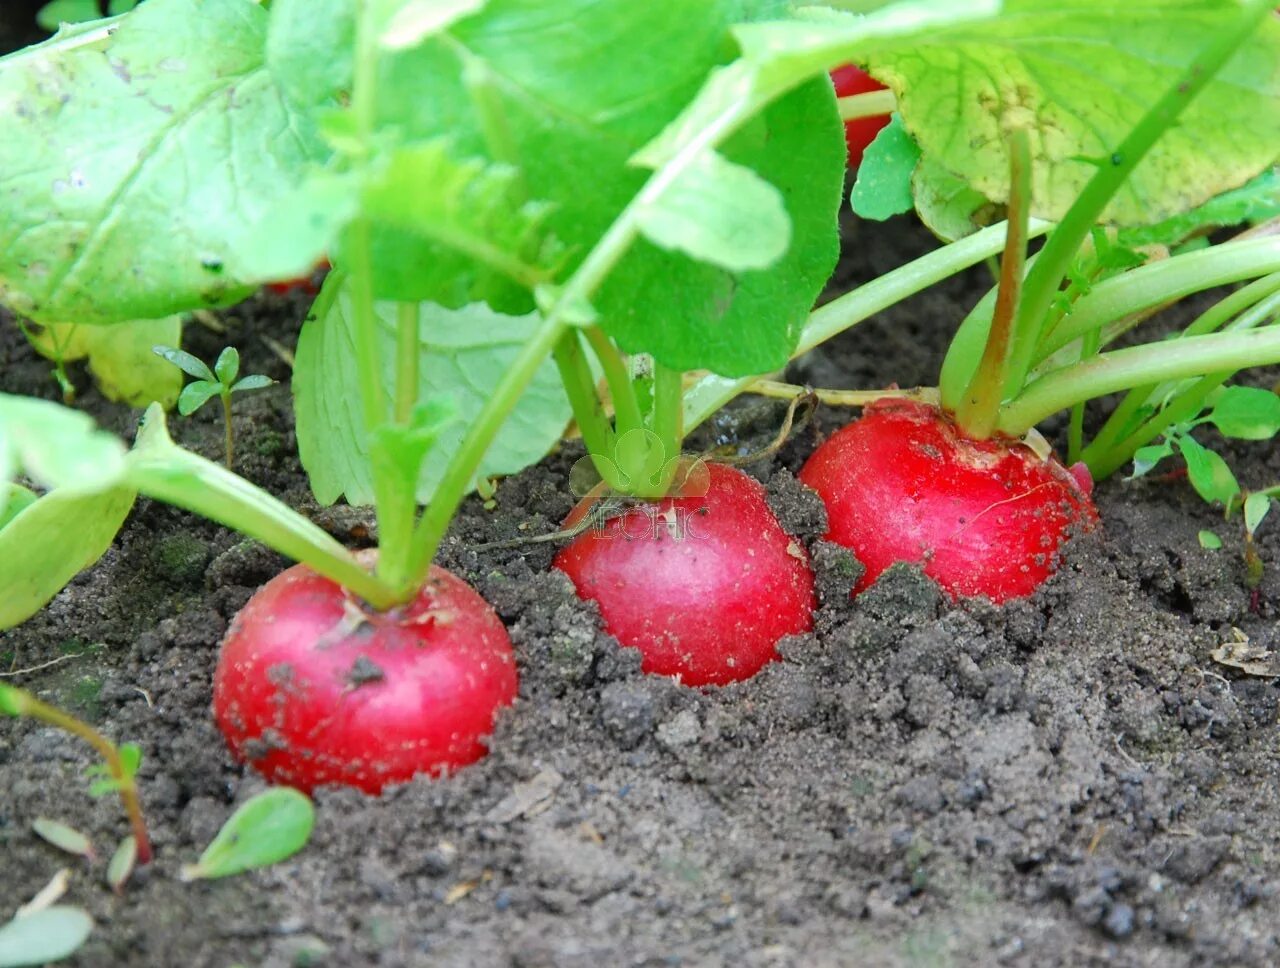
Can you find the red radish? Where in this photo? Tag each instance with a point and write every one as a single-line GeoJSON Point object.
{"type": "Point", "coordinates": [306, 283]}
{"type": "Point", "coordinates": [861, 131]}
{"type": "Point", "coordinates": [986, 517]}
{"type": "Point", "coordinates": [704, 586]}
{"type": "Point", "coordinates": [311, 688]}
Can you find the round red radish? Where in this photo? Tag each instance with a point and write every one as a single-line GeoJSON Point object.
{"type": "Point", "coordinates": [703, 586]}
{"type": "Point", "coordinates": [312, 688]}
{"type": "Point", "coordinates": [860, 132]}
{"type": "Point", "coordinates": [985, 517]}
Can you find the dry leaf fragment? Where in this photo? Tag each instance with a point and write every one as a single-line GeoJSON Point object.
{"type": "Point", "coordinates": [1250, 659]}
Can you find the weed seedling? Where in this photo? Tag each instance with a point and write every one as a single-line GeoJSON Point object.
{"type": "Point", "coordinates": [219, 382]}
{"type": "Point", "coordinates": [115, 774]}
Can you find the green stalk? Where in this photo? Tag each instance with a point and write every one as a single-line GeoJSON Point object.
{"type": "Point", "coordinates": [980, 405]}
{"type": "Point", "coordinates": [228, 443]}
{"type": "Point", "coordinates": [1121, 369]}
{"type": "Point", "coordinates": [668, 424]}
{"type": "Point", "coordinates": [626, 407]}
{"type": "Point", "coordinates": [869, 104]}
{"type": "Point", "coordinates": [1109, 453]}
{"type": "Point", "coordinates": [712, 392]}
{"type": "Point", "coordinates": [1075, 428]}
{"type": "Point", "coordinates": [1043, 281]}
{"type": "Point", "coordinates": [580, 388]}
{"type": "Point", "coordinates": [162, 470]}
{"type": "Point", "coordinates": [407, 355]}
{"type": "Point", "coordinates": [19, 702]}
{"type": "Point", "coordinates": [1163, 282]}
{"type": "Point", "coordinates": [1121, 421]}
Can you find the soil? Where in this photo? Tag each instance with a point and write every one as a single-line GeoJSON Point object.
{"type": "Point", "coordinates": [1065, 781]}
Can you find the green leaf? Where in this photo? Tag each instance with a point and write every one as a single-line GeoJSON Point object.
{"type": "Point", "coordinates": [1256, 201]}
{"type": "Point", "coordinates": [464, 354]}
{"type": "Point", "coordinates": [1256, 507]}
{"type": "Point", "coordinates": [51, 541]}
{"type": "Point", "coordinates": [268, 828]}
{"type": "Point", "coordinates": [227, 366]}
{"type": "Point", "coordinates": [947, 205]}
{"type": "Point", "coordinates": [1209, 540]}
{"type": "Point", "coordinates": [122, 863]}
{"type": "Point", "coordinates": [43, 936]}
{"type": "Point", "coordinates": [310, 44]}
{"type": "Point", "coordinates": [1208, 472]}
{"type": "Point", "coordinates": [57, 12]}
{"type": "Point", "coordinates": [1246, 413]}
{"type": "Point", "coordinates": [57, 447]}
{"type": "Point", "coordinates": [461, 230]}
{"type": "Point", "coordinates": [188, 364]}
{"type": "Point", "coordinates": [720, 213]}
{"type": "Point", "coordinates": [1080, 76]}
{"type": "Point", "coordinates": [416, 20]}
{"type": "Point", "coordinates": [63, 837]}
{"type": "Point", "coordinates": [256, 382]}
{"type": "Point", "coordinates": [1145, 458]}
{"type": "Point", "coordinates": [129, 167]}
{"type": "Point", "coordinates": [14, 499]}
{"type": "Point", "coordinates": [195, 395]}
{"type": "Point", "coordinates": [298, 229]}
{"type": "Point", "coordinates": [883, 186]}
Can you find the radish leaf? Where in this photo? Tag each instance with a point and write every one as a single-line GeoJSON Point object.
{"type": "Point", "coordinates": [720, 213]}
{"type": "Point", "coordinates": [1057, 69]}
{"type": "Point", "coordinates": [63, 837]}
{"type": "Point", "coordinates": [464, 353]}
{"type": "Point", "coordinates": [101, 148]}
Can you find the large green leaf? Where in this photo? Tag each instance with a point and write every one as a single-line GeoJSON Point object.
{"type": "Point", "coordinates": [128, 167]}
{"type": "Point", "coordinates": [464, 354]}
{"type": "Point", "coordinates": [568, 93]}
{"type": "Point", "coordinates": [1079, 74]}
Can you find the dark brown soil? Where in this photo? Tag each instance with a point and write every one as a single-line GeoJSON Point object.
{"type": "Point", "coordinates": [1066, 781]}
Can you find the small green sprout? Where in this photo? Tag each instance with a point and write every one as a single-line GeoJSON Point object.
{"type": "Point", "coordinates": [220, 382]}
{"type": "Point", "coordinates": [120, 763]}
{"type": "Point", "coordinates": [43, 936]}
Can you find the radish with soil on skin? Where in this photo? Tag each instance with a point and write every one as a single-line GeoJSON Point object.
{"type": "Point", "coordinates": [703, 586]}
{"type": "Point", "coordinates": [985, 517]}
{"type": "Point", "coordinates": [313, 687]}
{"type": "Point", "coordinates": [861, 130]}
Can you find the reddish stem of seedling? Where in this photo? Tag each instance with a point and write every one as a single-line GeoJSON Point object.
{"type": "Point", "coordinates": [980, 405]}
{"type": "Point", "coordinates": [29, 705]}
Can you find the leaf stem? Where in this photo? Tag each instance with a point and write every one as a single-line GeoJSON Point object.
{"type": "Point", "coordinates": [869, 104]}
{"type": "Point", "coordinates": [407, 350]}
{"type": "Point", "coordinates": [1176, 359]}
{"type": "Point", "coordinates": [668, 422]}
{"type": "Point", "coordinates": [1044, 279]}
{"type": "Point", "coordinates": [980, 404]}
{"type": "Point", "coordinates": [23, 703]}
{"type": "Point", "coordinates": [1165, 281]}
{"type": "Point", "coordinates": [162, 470]}
{"type": "Point", "coordinates": [580, 388]}
{"type": "Point", "coordinates": [626, 406]}
{"type": "Point", "coordinates": [1122, 420]}
{"type": "Point", "coordinates": [712, 392]}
